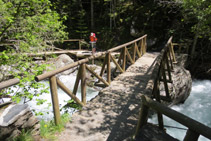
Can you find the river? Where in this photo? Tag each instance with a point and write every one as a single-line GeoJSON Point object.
{"type": "Point", "coordinates": [197, 106]}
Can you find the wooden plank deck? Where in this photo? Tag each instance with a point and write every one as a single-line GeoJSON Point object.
{"type": "Point", "coordinates": [113, 114]}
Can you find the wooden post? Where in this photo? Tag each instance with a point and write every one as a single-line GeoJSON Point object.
{"type": "Point", "coordinates": [65, 89]}
{"type": "Point", "coordinates": [124, 59]}
{"type": "Point", "coordinates": [134, 52]}
{"type": "Point", "coordinates": [108, 68]}
{"type": "Point", "coordinates": [180, 48]}
{"type": "Point", "coordinates": [103, 67]}
{"type": "Point", "coordinates": [172, 52]}
{"type": "Point", "coordinates": [145, 44]}
{"type": "Point", "coordinates": [9, 83]}
{"type": "Point", "coordinates": [164, 79]}
{"type": "Point", "coordinates": [141, 46]}
{"type": "Point", "coordinates": [159, 115]}
{"type": "Point", "coordinates": [96, 75]}
{"type": "Point", "coordinates": [79, 44]}
{"type": "Point", "coordinates": [143, 116]}
{"type": "Point", "coordinates": [191, 136]}
{"type": "Point", "coordinates": [55, 101]}
{"type": "Point", "coordinates": [170, 59]}
{"type": "Point", "coordinates": [117, 65]}
{"type": "Point", "coordinates": [168, 67]}
{"type": "Point", "coordinates": [83, 83]}
{"type": "Point", "coordinates": [128, 56]}
{"type": "Point", "coordinates": [77, 81]}
{"type": "Point", "coordinates": [119, 60]}
{"type": "Point", "coordinates": [138, 52]}
{"type": "Point", "coordinates": [156, 93]}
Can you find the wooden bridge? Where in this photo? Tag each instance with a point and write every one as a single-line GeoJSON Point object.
{"type": "Point", "coordinates": [114, 114]}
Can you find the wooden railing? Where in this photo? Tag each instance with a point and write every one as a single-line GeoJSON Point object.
{"type": "Point", "coordinates": [8, 83]}
{"type": "Point", "coordinates": [180, 48]}
{"type": "Point", "coordinates": [162, 72]}
{"type": "Point", "coordinates": [164, 65]}
{"type": "Point", "coordinates": [129, 52]}
{"type": "Point", "coordinates": [195, 128]}
{"type": "Point", "coordinates": [80, 41]}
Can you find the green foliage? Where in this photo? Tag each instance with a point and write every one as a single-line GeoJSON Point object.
{"type": "Point", "coordinates": [31, 27]}
{"type": "Point", "coordinates": [29, 24]}
{"type": "Point", "coordinates": [197, 12]}
{"type": "Point", "coordinates": [24, 136]}
{"type": "Point", "coordinates": [48, 129]}
{"type": "Point", "coordinates": [71, 104]}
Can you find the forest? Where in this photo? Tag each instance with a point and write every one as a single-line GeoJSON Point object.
{"type": "Point", "coordinates": [36, 25]}
{"type": "Point", "coordinates": [33, 26]}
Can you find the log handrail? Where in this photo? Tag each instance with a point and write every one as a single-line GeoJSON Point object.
{"type": "Point", "coordinates": [8, 83]}
{"type": "Point", "coordinates": [195, 128]}
{"type": "Point", "coordinates": [166, 58]}
{"type": "Point", "coordinates": [139, 48]}
{"type": "Point", "coordinates": [95, 56]}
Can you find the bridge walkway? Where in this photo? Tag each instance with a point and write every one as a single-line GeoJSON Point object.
{"type": "Point", "coordinates": [113, 114]}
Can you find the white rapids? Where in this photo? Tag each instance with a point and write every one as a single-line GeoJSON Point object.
{"type": "Point", "coordinates": [46, 108]}
{"type": "Point", "coordinates": [197, 106]}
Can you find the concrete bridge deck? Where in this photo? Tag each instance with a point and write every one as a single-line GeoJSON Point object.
{"type": "Point", "coordinates": [113, 114]}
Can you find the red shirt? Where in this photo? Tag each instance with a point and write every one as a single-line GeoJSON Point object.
{"type": "Point", "coordinates": [93, 39]}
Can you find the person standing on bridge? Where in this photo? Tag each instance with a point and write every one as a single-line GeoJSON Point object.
{"type": "Point", "coordinates": [93, 40]}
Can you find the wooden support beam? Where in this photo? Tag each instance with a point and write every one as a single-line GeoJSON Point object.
{"type": "Point", "coordinates": [78, 78]}
{"type": "Point", "coordinates": [145, 44]}
{"type": "Point", "coordinates": [79, 44]}
{"type": "Point", "coordinates": [66, 90]}
{"type": "Point", "coordinates": [117, 65]}
{"type": "Point", "coordinates": [119, 60]}
{"type": "Point", "coordinates": [191, 135]}
{"type": "Point", "coordinates": [168, 67]}
{"type": "Point", "coordinates": [55, 101]}
{"type": "Point", "coordinates": [172, 52]}
{"type": "Point", "coordinates": [179, 117]}
{"type": "Point", "coordinates": [124, 59]}
{"type": "Point", "coordinates": [98, 76]}
{"type": "Point", "coordinates": [9, 83]}
{"type": "Point", "coordinates": [140, 47]}
{"type": "Point", "coordinates": [164, 78]}
{"type": "Point", "coordinates": [138, 52]}
{"type": "Point", "coordinates": [168, 81]}
{"type": "Point", "coordinates": [108, 68]}
{"type": "Point", "coordinates": [164, 98]}
{"type": "Point", "coordinates": [129, 57]}
{"type": "Point", "coordinates": [103, 67]}
{"type": "Point", "coordinates": [143, 117]}
{"type": "Point", "coordinates": [83, 83]}
{"type": "Point", "coordinates": [170, 59]}
{"type": "Point", "coordinates": [134, 52]}
{"type": "Point", "coordinates": [156, 93]}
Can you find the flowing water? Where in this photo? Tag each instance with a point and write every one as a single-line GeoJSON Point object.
{"type": "Point", "coordinates": [46, 108]}
{"type": "Point", "coordinates": [197, 106]}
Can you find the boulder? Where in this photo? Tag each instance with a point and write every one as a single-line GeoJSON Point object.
{"type": "Point", "coordinates": [14, 118]}
{"type": "Point", "coordinates": [181, 87]}
{"type": "Point", "coordinates": [61, 61]}
{"type": "Point", "coordinates": [182, 80]}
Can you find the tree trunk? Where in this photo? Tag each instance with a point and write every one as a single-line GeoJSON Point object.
{"type": "Point", "coordinates": [194, 46]}
{"type": "Point", "coordinates": [195, 42]}
{"type": "Point", "coordinates": [110, 14]}
{"type": "Point", "coordinates": [92, 15]}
